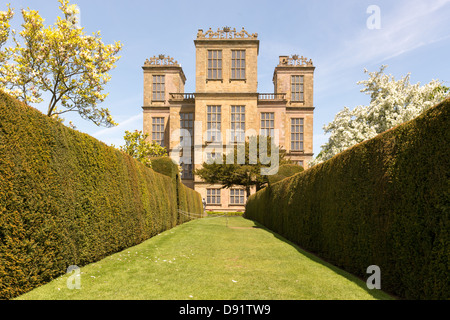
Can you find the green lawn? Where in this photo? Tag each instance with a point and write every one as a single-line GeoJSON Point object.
{"type": "Point", "coordinates": [212, 258]}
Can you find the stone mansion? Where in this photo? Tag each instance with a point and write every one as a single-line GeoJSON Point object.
{"type": "Point", "coordinates": [226, 99]}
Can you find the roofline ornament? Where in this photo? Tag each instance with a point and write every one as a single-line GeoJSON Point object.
{"type": "Point", "coordinates": [161, 60]}
{"type": "Point", "coordinates": [295, 61]}
{"type": "Point", "coordinates": [226, 33]}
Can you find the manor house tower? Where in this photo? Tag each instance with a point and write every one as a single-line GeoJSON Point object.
{"type": "Point", "coordinates": [226, 99]}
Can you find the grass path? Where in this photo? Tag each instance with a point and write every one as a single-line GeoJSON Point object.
{"type": "Point", "coordinates": [211, 258]}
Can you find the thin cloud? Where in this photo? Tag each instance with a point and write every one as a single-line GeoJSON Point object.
{"type": "Point", "coordinates": [403, 29]}
{"type": "Point", "coordinates": [124, 125]}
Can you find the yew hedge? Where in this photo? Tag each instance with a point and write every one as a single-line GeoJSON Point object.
{"type": "Point", "coordinates": [68, 199]}
{"type": "Point", "coordinates": [383, 202]}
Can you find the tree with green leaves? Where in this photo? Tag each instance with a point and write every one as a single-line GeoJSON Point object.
{"type": "Point", "coordinates": [138, 146]}
{"type": "Point", "coordinates": [245, 165]}
{"type": "Point", "coordinates": [5, 29]}
{"type": "Point", "coordinates": [60, 60]}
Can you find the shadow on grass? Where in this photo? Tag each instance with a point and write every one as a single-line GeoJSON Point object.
{"type": "Point", "coordinates": [377, 294]}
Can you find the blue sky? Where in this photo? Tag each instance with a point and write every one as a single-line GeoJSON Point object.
{"type": "Point", "coordinates": [414, 37]}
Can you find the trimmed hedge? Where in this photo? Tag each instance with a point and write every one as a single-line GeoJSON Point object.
{"type": "Point", "coordinates": [166, 166]}
{"type": "Point", "coordinates": [68, 199]}
{"type": "Point", "coordinates": [189, 201]}
{"type": "Point", "coordinates": [284, 171]}
{"type": "Point", "coordinates": [383, 202]}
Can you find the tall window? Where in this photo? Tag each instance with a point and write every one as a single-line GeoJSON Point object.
{"type": "Point", "coordinates": [267, 124]}
{"type": "Point", "coordinates": [297, 134]}
{"type": "Point", "coordinates": [214, 64]}
{"type": "Point", "coordinates": [158, 130]}
{"type": "Point", "coordinates": [214, 123]}
{"type": "Point", "coordinates": [296, 88]}
{"type": "Point", "coordinates": [158, 88]}
{"type": "Point", "coordinates": [186, 172]}
{"type": "Point", "coordinates": [237, 123]}
{"type": "Point", "coordinates": [187, 123]}
{"type": "Point", "coordinates": [213, 196]}
{"type": "Point", "coordinates": [236, 196]}
{"type": "Point", "coordinates": [237, 64]}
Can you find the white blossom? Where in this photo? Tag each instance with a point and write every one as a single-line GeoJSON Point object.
{"type": "Point", "coordinates": [393, 102]}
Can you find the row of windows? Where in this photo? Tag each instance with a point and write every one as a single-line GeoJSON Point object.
{"type": "Point", "coordinates": [213, 196]}
{"type": "Point", "coordinates": [267, 127]}
{"type": "Point", "coordinates": [215, 64]}
{"type": "Point", "coordinates": [237, 72]}
{"type": "Point", "coordinates": [214, 124]}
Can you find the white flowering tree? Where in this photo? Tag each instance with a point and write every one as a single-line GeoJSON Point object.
{"type": "Point", "coordinates": [62, 61]}
{"type": "Point", "coordinates": [392, 102]}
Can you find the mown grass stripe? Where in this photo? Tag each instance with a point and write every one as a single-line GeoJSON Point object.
{"type": "Point", "coordinates": [207, 259]}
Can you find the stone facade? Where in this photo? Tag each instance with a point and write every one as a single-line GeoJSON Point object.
{"type": "Point", "coordinates": [226, 85]}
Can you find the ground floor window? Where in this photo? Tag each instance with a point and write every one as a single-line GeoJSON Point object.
{"type": "Point", "coordinates": [213, 196]}
{"type": "Point", "coordinates": [237, 196]}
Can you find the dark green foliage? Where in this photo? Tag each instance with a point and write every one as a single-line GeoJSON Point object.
{"type": "Point", "coordinates": [242, 166]}
{"type": "Point", "coordinates": [165, 166]}
{"type": "Point", "coordinates": [189, 201]}
{"type": "Point", "coordinates": [68, 199]}
{"type": "Point", "coordinates": [383, 202]}
{"type": "Point", "coordinates": [284, 171]}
